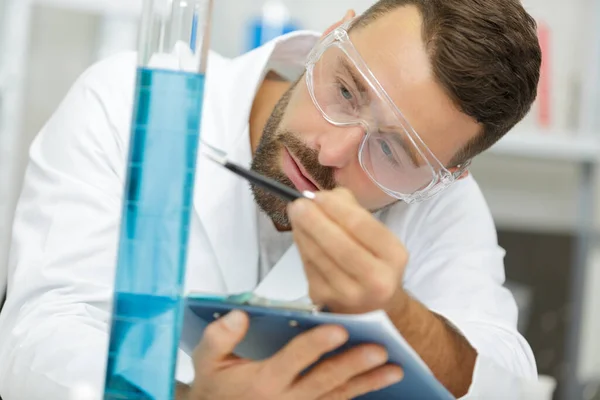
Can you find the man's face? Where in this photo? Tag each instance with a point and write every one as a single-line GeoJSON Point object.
{"type": "Point", "coordinates": [303, 150]}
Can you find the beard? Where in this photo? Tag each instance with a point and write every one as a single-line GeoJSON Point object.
{"type": "Point", "coordinates": [267, 162]}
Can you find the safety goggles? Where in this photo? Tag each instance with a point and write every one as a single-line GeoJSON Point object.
{"type": "Point", "coordinates": [392, 154]}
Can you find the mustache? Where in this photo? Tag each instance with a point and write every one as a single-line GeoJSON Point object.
{"type": "Point", "coordinates": [309, 158]}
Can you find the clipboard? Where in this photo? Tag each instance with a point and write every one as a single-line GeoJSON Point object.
{"type": "Point", "coordinates": [273, 324]}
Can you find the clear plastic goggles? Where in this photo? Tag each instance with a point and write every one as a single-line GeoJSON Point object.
{"type": "Point", "coordinates": [392, 154]}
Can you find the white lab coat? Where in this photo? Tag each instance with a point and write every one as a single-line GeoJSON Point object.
{"type": "Point", "coordinates": [53, 328]}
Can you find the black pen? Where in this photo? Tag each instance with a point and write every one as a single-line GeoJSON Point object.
{"type": "Point", "coordinates": [268, 184]}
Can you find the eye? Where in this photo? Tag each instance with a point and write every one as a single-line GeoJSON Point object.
{"type": "Point", "coordinates": [346, 94]}
{"type": "Point", "coordinates": [388, 153]}
{"type": "Point", "coordinates": [386, 149]}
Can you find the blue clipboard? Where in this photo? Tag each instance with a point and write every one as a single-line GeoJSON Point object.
{"type": "Point", "coordinates": [271, 328]}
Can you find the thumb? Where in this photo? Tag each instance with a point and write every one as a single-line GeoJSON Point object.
{"type": "Point", "coordinates": [220, 339]}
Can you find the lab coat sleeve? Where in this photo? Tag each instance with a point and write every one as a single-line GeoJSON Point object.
{"type": "Point", "coordinates": [458, 272]}
{"type": "Point", "coordinates": [53, 327]}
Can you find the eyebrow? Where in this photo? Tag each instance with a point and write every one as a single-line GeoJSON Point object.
{"type": "Point", "coordinates": [414, 158]}
{"type": "Point", "coordinates": [358, 81]}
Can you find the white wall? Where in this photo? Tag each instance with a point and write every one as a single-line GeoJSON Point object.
{"type": "Point", "coordinates": [61, 47]}
{"type": "Point", "coordinates": [11, 91]}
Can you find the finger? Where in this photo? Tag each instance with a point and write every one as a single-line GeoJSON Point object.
{"type": "Point", "coordinates": [368, 382]}
{"type": "Point", "coordinates": [326, 279]}
{"type": "Point", "coordinates": [302, 352]}
{"type": "Point", "coordinates": [336, 372]}
{"type": "Point", "coordinates": [342, 208]}
{"type": "Point", "coordinates": [332, 297]}
{"type": "Point", "coordinates": [220, 339]}
{"type": "Point", "coordinates": [348, 254]}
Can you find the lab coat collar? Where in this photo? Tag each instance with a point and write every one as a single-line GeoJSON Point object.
{"type": "Point", "coordinates": [224, 201]}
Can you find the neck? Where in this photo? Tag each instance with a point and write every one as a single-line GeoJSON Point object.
{"type": "Point", "coordinates": [269, 93]}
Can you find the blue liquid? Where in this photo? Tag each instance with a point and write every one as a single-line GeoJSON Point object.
{"type": "Point", "coordinates": [152, 255]}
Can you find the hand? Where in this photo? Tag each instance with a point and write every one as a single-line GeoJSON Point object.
{"type": "Point", "coordinates": [353, 263]}
{"type": "Point", "coordinates": [221, 375]}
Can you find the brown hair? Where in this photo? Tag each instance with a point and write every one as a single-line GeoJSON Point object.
{"type": "Point", "coordinates": [486, 55]}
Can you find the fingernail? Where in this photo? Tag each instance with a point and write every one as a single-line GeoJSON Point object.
{"type": "Point", "coordinates": [338, 337]}
{"type": "Point", "coordinates": [394, 377]}
{"type": "Point", "coordinates": [234, 320]}
{"type": "Point", "coordinates": [376, 357]}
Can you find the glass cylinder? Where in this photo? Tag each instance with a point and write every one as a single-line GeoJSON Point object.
{"type": "Point", "coordinates": [157, 201]}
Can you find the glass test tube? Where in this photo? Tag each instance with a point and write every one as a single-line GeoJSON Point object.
{"type": "Point", "coordinates": [165, 131]}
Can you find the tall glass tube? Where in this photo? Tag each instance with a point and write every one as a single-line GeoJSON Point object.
{"type": "Point", "coordinates": [147, 309]}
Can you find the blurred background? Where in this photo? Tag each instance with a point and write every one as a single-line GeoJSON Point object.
{"type": "Point", "coordinates": [541, 181]}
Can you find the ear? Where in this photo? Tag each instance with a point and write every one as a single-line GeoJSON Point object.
{"type": "Point", "coordinates": [350, 14]}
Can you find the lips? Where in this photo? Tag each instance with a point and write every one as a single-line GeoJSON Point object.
{"type": "Point", "coordinates": [297, 174]}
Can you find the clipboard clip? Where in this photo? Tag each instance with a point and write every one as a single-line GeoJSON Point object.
{"type": "Point", "coordinates": [251, 299]}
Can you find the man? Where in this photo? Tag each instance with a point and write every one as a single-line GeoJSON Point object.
{"type": "Point", "coordinates": [392, 107]}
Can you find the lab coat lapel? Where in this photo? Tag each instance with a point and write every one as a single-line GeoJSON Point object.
{"type": "Point", "coordinates": [228, 213]}
{"type": "Point", "coordinates": [287, 280]}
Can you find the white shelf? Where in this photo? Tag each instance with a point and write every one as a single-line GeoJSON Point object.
{"type": "Point", "coordinates": [561, 146]}
{"type": "Point", "coordinates": [128, 8]}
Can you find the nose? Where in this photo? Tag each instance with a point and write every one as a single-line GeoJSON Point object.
{"type": "Point", "coordinates": [339, 145]}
